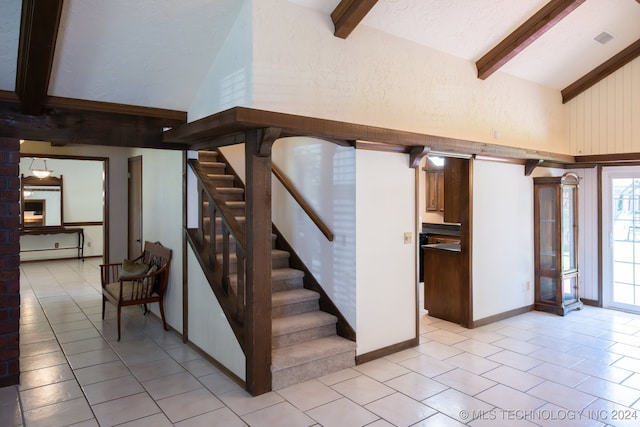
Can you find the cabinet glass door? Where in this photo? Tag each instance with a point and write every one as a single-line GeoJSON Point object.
{"type": "Point", "coordinates": [548, 243]}
{"type": "Point", "coordinates": [568, 229]}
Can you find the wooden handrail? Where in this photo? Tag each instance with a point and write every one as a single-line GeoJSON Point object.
{"type": "Point", "coordinates": [306, 207]}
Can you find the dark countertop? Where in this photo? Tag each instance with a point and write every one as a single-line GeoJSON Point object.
{"type": "Point", "coordinates": [443, 229]}
{"type": "Point", "coordinates": [451, 247]}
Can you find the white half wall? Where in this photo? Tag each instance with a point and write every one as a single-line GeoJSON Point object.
{"type": "Point", "coordinates": [503, 264]}
{"type": "Point", "coordinates": [385, 266]}
{"type": "Point", "coordinates": [208, 326]}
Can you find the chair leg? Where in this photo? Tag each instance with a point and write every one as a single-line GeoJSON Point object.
{"type": "Point", "coordinates": [146, 309]}
{"type": "Point", "coordinates": [119, 308]}
{"type": "Point", "coordinates": [164, 322]}
{"type": "Point", "coordinates": [103, 302]}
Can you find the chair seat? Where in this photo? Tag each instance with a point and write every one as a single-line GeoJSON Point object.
{"type": "Point", "coordinates": [128, 291]}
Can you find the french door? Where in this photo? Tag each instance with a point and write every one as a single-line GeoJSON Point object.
{"type": "Point", "coordinates": [621, 237]}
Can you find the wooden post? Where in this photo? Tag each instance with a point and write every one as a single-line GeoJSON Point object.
{"type": "Point", "coordinates": [258, 261]}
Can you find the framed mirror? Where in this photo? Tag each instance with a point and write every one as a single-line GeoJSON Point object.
{"type": "Point", "coordinates": [41, 202]}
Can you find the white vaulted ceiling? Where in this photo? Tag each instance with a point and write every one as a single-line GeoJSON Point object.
{"type": "Point", "coordinates": [155, 53]}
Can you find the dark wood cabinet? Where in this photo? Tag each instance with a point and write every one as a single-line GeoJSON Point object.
{"type": "Point", "coordinates": [435, 190]}
{"type": "Point", "coordinates": [457, 174]}
{"type": "Point", "coordinates": [556, 243]}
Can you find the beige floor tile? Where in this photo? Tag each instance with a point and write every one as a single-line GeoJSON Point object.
{"type": "Point", "coordinates": [189, 404]}
{"type": "Point", "coordinates": [478, 348]}
{"type": "Point", "coordinates": [552, 355]}
{"type": "Point", "coordinates": [10, 411]}
{"type": "Point", "coordinates": [517, 345]}
{"type": "Point", "coordinates": [156, 420]}
{"type": "Point", "coordinates": [281, 414]}
{"type": "Point", "coordinates": [515, 360]}
{"type": "Point", "coordinates": [242, 403]}
{"type": "Point", "coordinates": [219, 383]}
{"type": "Point", "coordinates": [156, 369]}
{"type": "Point", "coordinates": [513, 378]}
{"type": "Point", "coordinates": [219, 418]}
{"type": "Point", "coordinates": [465, 381]}
{"type": "Point", "coordinates": [427, 366]}
{"type": "Point", "coordinates": [445, 337]}
{"type": "Point", "coordinates": [602, 370]}
{"type": "Point", "coordinates": [90, 358]}
{"type": "Point", "coordinates": [400, 410]}
{"type": "Point", "coordinates": [558, 374]}
{"type": "Point", "coordinates": [171, 385]}
{"type": "Point", "coordinates": [49, 394]}
{"type": "Point", "coordinates": [72, 326]}
{"type": "Point", "coordinates": [342, 413]}
{"type": "Point", "coordinates": [309, 394]}
{"type": "Point", "coordinates": [472, 363]}
{"type": "Point", "coordinates": [381, 369]}
{"type": "Point", "coordinates": [65, 413]}
{"type": "Point", "coordinates": [336, 377]}
{"type": "Point", "coordinates": [125, 409]}
{"type": "Point", "coordinates": [363, 390]}
{"type": "Point", "coordinates": [35, 349]}
{"type": "Point", "coordinates": [561, 395]}
{"type": "Point", "coordinates": [83, 346]}
{"type": "Point", "coordinates": [112, 389]}
{"type": "Point", "coordinates": [43, 360]}
{"type": "Point", "coordinates": [102, 372]}
{"type": "Point", "coordinates": [77, 335]}
{"type": "Point", "coordinates": [610, 413]}
{"type": "Point", "coordinates": [621, 394]}
{"type": "Point", "coordinates": [416, 386]}
{"type": "Point", "coordinates": [200, 367]}
{"type": "Point", "coordinates": [438, 420]}
{"type": "Point", "coordinates": [457, 405]}
{"type": "Point", "coordinates": [437, 350]}
{"type": "Point", "coordinates": [506, 398]}
{"type": "Point", "coordinates": [45, 376]}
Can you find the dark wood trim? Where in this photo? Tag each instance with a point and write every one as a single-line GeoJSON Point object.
{"type": "Point", "coordinates": [172, 117]}
{"type": "Point", "coordinates": [502, 316]}
{"type": "Point", "coordinates": [258, 264]}
{"type": "Point", "coordinates": [541, 22]}
{"type": "Point", "coordinates": [185, 253]}
{"type": "Point", "coordinates": [39, 25]}
{"type": "Point", "coordinates": [530, 165]}
{"type": "Point", "coordinates": [591, 302]}
{"type": "Point", "coordinates": [105, 214]}
{"type": "Point", "coordinates": [466, 246]}
{"type": "Point", "coordinates": [83, 224]}
{"type": "Point", "coordinates": [7, 96]}
{"type": "Point", "coordinates": [600, 72]}
{"type": "Point", "coordinates": [302, 202]}
{"type": "Point", "coordinates": [608, 158]}
{"type": "Point", "coordinates": [600, 300]}
{"type": "Point", "coordinates": [67, 126]}
{"type": "Point", "coordinates": [348, 14]}
{"type": "Point", "coordinates": [385, 148]}
{"type": "Point", "coordinates": [236, 120]}
{"type": "Point", "coordinates": [416, 154]}
{"type": "Point", "coordinates": [385, 351]}
{"type": "Point", "coordinates": [343, 328]}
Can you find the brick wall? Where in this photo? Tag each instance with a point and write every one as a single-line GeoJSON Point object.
{"type": "Point", "coordinates": [9, 261]}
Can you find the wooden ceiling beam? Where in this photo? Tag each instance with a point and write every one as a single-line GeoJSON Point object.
{"type": "Point", "coordinates": [72, 126]}
{"type": "Point", "coordinates": [600, 72]}
{"type": "Point", "coordinates": [38, 32]}
{"type": "Point", "coordinates": [348, 14]}
{"type": "Point", "coordinates": [541, 22]}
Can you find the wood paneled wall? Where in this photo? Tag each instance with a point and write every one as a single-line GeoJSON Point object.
{"type": "Point", "coordinates": [604, 119]}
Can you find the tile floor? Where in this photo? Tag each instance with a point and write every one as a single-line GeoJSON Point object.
{"type": "Point", "coordinates": [533, 369]}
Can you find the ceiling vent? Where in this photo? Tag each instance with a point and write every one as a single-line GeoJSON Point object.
{"type": "Point", "coordinates": [603, 37]}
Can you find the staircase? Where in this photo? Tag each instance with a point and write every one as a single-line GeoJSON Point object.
{"type": "Point", "coordinates": [304, 340]}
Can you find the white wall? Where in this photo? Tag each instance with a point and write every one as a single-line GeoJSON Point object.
{"type": "Point", "coordinates": [375, 79]}
{"type": "Point", "coordinates": [229, 80]}
{"type": "Point", "coordinates": [385, 265]}
{"type": "Point", "coordinates": [162, 219]}
{"type": "Point", "coordinates": [502, 252]}
{"type": "Point", "coordinates": [208, 327]}
{"type": "Point", "coordinates": [604, 118]}
{"type": "Point", "coordinates": [325, 174]}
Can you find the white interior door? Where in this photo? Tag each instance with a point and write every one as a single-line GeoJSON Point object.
{"type": "Point", "coordinates": [621, 237]}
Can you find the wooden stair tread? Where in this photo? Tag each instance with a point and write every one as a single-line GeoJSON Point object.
{"type": "Point", "coordinates": [298, 354]}
{"type": "Point", "coordinates": [301, 322]}
{"type": "Point", "coordinates": [293, 296]}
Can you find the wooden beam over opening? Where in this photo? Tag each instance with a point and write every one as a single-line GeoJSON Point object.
{"type": "Point", "coordinates": [543, 20]}
{"type": "Point", "coordinates": [600, 72]}
{"type": "Point", "coordinates": [348, 14]}
{"type": "Point", "coordinates": [38, 32]}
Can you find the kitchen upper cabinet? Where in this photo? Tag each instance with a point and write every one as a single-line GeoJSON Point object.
{"type": "Point", "coordinates": [457, 174]}
{"type": "Point", "coordinates": [435, 190]}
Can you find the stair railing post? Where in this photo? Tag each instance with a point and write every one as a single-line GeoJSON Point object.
{"type": "Point", "coordinates": [258, 259]}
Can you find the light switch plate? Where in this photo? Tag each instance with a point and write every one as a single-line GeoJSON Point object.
{"type": "Point", "coordinates": [407, 238]}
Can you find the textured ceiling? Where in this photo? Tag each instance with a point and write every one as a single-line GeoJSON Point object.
{"type": "Point", "coordinates": [156, 52]}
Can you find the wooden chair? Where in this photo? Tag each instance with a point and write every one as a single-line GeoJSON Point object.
{"type": "Point", "coordinates": [123, 289]}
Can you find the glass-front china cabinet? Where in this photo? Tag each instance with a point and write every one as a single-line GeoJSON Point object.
{"type": "Point", "coordinates": [556, 243]}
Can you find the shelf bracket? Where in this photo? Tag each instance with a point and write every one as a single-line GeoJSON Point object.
{"type": "Point", "coordinates": [530, 165]}
{"type": "Point", "coordinates": [416, 154]}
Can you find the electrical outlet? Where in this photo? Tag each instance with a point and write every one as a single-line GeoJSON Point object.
{"type": "Point", "coordinates": [528, 285]}
{"type": "Point", "coordinates": [88, 244]}
{"type": "Point", "coordinates": [56, 245]}
{"type": "Point", "coordinates": [407, 238]}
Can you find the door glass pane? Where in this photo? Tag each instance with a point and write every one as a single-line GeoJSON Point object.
{"type": "Point", "coordinates": [569, 289]}
{"type": "Point", "coordinates": [548, 289]}
{"type": "Point", "coordinates": [625, 242]}
{"type": "Point", "coordinates": [568, 229]}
